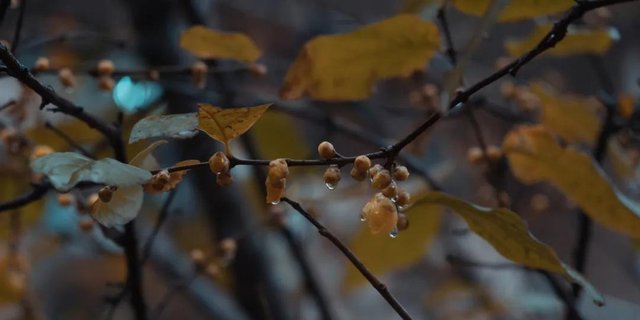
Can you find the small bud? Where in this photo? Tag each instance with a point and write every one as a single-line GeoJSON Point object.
{"type": "Point", "coordinates": [326, 150]}
{"type": "Point", "coordinates": [362, 163]}
{"type": "Point", "coordinates": [65, 199]}
{"type": "Point", "coordinates": [105, 68]}
{"type": "Point", "coordinates": [198, 258]}
{"type": "Point", "coordinates": [86, 224]}
{"type": "Point", "coordinates": [475, 156]}
{"type": "Point", "coordinates": [403, 198]}
{"type": "Point", "coordinates": [224, 179]}
{"type": "Point", "coordinates": [219, 163]}
{"type": "Point", "coordinates": [199, 71]}
{"type": "Point", "coordinates": [390, 191]}
{"type": "Point", "coordinates": [278, 169]}
{"type": "Point", "coordinates": [106, 83]}
{"type": "Point", "coordinates": [258, 69]}
{"type": "Point", "coordinates": [374, 170]}
{"type": "Point", "coordinates": [228, 249]}
{"type": "Point", "coordinates": [507, 89]}
{"type": "Point", "coordinates": [66, 77]}
{"type": "Point", "coordinates": [381, 180]}
{"type": "Point", "coordinates": [494, 153]}
{"type": "Point", "coordinates": [400, 173]}
{"type": "Point", "coordinates": [40, 150]}
{"type": "Point", "coordinates": [42, 64]}
{"type": "Point", "coordinates": [380, 213]}
{"type": "Point", "coordinates": [274, 193]}
{"type": "Point", "coordinates": [539, 202]}
{"type": "Point", "coordinates": [332, 177]}
{"type": "Point", "coordinates": [106, 193]}
{"type": "Point", "coordinates": [358, 175]}
{"type": "Point", "coordinates": [403, 222]}
{"type": "Point", "coordinates": [213, 270]}
{"type": "Point", "coordinates": [154, 75]}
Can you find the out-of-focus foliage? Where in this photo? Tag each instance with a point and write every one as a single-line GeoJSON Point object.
{"type": "Point", "coordinates": [577, 41]}
{"type": "Point", "coordinates": [535, 155]}
{"type": "Point", "coordinates": [345, 67]}
{"type": "Point", "coordinates": [516, 9]}
{"type": "Point", "coordinates": [211, 44]}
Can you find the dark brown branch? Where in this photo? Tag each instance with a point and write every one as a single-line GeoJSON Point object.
{"type": "Point", "coordinates": [32, 195]}
{"type": "Point", "coordinates": [379, 286]}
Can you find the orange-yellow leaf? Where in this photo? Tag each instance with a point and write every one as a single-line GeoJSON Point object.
{"type": "Point", "coordinates": [516, 9]}
{"type": "Point", "coordinates": [625, 105]}
{"type": "Point", "coordinates": [508, 234]}
{"type": "Point", "coordinates": [382, 254]}
{"type": "Point", "coordinates": [577, 41]}
{"type": "Point", "coordinates": [345, 67]}
{"type": "Point", "coordinates": [206, 43]}
{"type": "Point", "coordinates": [572, 117]}
{"type": "Point", "coordinates": [416, 6]}
{"type": "Point", "coordinates": [535, 155]}
{"type": "Point", "coordinates": [226, 124]}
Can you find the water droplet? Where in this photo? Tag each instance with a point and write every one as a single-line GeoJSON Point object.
{"type": "Point", "coordinates": [275, 202]}
{"type": "Point", "coordinates": [394, 233]}
{"type": "Point", "coordinates": [362, 217]}
{"type": "Point", "coordinates": [403, 207]}
{"type": "Point", "coordinates": [330, 186]}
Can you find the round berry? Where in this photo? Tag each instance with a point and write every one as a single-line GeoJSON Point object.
{"type": "Point", "coordinates": [390, 191]}
{"type": "Point", "coordinates": [219, 163]}
{"type": "Point", "coordinates": [198, 258]}
{"type": "Point", "coordinates": [86, 224]}
{"type": "Point", "coordinates": [40, 150]}
{"type": "Point", "coordinates": [65, 199]}
{"type": "Point", "coordinates": [278, 169]}
{"type": "Point", "coordinates": [66, 77]}
{"type": "Point", "coordinates": [403, 198]}
{"type": "Point", "coordinates": [475, 156]}
{"type": "Point", "coordinates": [274, 193]}
{"type": "Point", "coordinates": [403, 222]}
{"type": "Point", "coordinates": [105, 68]}
{"type": "Point", "coordinates": [374, 170]}
{"type": "Point", "coordinates": [106, 193]}
{"type": "Point", "coordinates": [400, 173]}
{"type": "Point", "coordinates": [362, 163]}
{"type": "Point", "coordinates": [494, 153]}
{"type": "Point", "coordinates": [258, 69]}
{"type": "Point", "coordinates": [106, 83]}
{"type": "Point", "coordinates": [224, 179]}
{"type": "Point", "coordinates": [358, 175]}
{"type": "Point", "coordinates": [332, 177]}
{"type": "Point", "coordinates": [42, 64]}
{"type": "Point", "coordinates": [326, 150]}
{"type": "Point", "coordinates": [381, 214]}
{"type": "Point", "coordinates": [381, 180]}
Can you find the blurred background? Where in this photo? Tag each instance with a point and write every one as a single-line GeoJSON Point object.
{"type": "Point", "coordinates": [222, 253]}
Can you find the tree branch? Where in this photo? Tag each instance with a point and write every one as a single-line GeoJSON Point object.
{"type": "Point", "coordinates": [379, 286]}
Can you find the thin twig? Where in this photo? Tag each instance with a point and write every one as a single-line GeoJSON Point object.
{"type": "Point", "coordinates": [162, 217]}
{"type": "Point", "coordinates": [19, 23]}
{"type": "Point", "coordinates": [32, 195]}
{"type": "Point", "coordinates": [379, 286]}
{"type": "Point", "coordinates": [68, 139]}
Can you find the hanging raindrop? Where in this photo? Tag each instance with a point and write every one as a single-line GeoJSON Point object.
{"type": "Point", "coordinates": [275, 202]}
{"type": "Point", "coordinates": [394, 233]}
{"type": "Point", "coordinates": [362, 217]}
{"type": "Point", "coordinates": [331, 186]}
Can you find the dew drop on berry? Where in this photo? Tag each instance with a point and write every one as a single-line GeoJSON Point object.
{"type": "Point", "coordinates": [331, 186]}
{"type": "Point", "coordinates": [362, 217]}
{"type": "Point", "coordinates": [274, 202]}
{"type": "Point", "coordinates": [394, 233]}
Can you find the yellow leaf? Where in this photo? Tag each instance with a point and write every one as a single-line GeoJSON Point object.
{"type": "Point", "coordinates": [226, 124]}
{"type": "Point", "coordinates": [345, 67]}
{"type": "Point", "coordinates": [572, 117]}
{"type": "Point", "coordinates": [577, 41]}
{"type": "Point", "coordinates": [516, 9]}
{"type": "Point", "coordinates": [269, 132]}
{"type": "Point", "coordinates": [211, 44]}
{"type": "Point", "coordinates": [508, 234]}
{"type": "Point", "coordinates": [382, 254]}
{"type": "Point", "coordinates": [625, 105]}
{"type": "Point", "coordinates": [535, 155]}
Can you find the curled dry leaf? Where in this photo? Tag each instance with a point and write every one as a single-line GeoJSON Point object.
{"type": "Point", "coordinates": [516, 9]}
{"type": "Point", "coordinates": [174, 178]}
{"type": "Point", "coordinates": [176, 126]}
{"type": "Point", "coordinates": [508, 234]}
{"type": "Point", "coordinates": [66, 169]}
{"type": "Point", "coordinates": [206, 43]}
{"type": "Point", "coordinates": [535, 155]}
{"type": "Point", "coordinates": [577, 41]}
{"type": "Point", "coordinates": [345, 67]}
{"type": "Point", "coordinates": [226, 124]}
